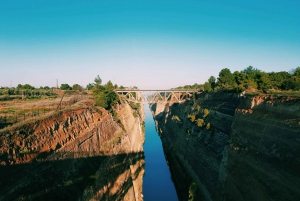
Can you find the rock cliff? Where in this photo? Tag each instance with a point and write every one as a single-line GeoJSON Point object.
{"type": "Point", "coordinates": [222, 146]}
{"type": "Point", "coordinates": [82, 153]}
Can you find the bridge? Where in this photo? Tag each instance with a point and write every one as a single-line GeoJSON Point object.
{"type": "Point", "coordinates": [138, 96]}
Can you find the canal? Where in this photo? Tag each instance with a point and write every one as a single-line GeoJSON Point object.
{"type": "Point", "coordinates": [157, 183]}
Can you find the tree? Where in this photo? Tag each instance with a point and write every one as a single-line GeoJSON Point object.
{"type": "Point", "coordinates": [77, 87]}
{"type": "Point", "coordinates": [254, 78]}
{"type": "Point", "coordinates": [297, 72]}
{"type": "Point", "coordinates": [250, 71]}
{"type": "Point", "coordinates": [104, 95]}
{"type": "Point", "coordinates": [212, 82]}
{"type": "Point", "coordinates": [207, 87]}
{"type": "Point", "coordinates": [45, 87]}
{"type": "Point", "coordinates": [263, 80]}
{"type": "Point", "coordinates": [291, 83]}
{"type": "Point", "coordinates": [98, 80]}
{"type": "Point", "coordinates": [25, 86]}
{"type": "Point", "coordinates": [90, 86]}
{"type": "Point", "coordinates": [109, 86]}
{"type": "Point", "coordinates": [65, 87]}
{"type": "Point", "coordinates": [106, 99]}
{"type": "Point", "coordinates": [101, 100]}
{"type": "Point", "coordinates": [277, 78]}
{"type": "Point", "coordinates": [226, 79]}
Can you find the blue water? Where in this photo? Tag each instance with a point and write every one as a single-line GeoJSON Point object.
{"type": "Point", "coordinates": [157, 183]}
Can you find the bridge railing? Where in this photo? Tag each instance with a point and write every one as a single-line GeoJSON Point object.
{"type": "Point", "coordinates": [175, 95]}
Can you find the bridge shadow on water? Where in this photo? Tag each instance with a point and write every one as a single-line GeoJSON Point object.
{"type": "Point", "coordinates": [80, 178]}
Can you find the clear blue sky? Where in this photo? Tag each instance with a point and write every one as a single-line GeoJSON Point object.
{"type": "Point", "coordinates": [149, 44]}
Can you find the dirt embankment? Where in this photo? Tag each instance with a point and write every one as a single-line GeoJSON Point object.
{"type": "Point", "coordinates": [81, 153]}
{"type": "Point", "coordinates": [233, 147]}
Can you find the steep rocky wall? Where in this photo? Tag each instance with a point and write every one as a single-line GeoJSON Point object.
{"type": "Point", "coordinates": [76, 154]}
{"type": "Point", "coordinates": [264, 152]}
{"type": "Point", "coordinates": [246, 148]}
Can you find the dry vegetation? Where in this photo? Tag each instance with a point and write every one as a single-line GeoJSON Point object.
{"type": "Point", "coordinates": [15, 111]}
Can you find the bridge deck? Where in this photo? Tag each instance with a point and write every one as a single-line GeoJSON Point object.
{"type": "Point", "coordinates": [156, 90]}
{"type": "Point", "coordinates": [136, 95]}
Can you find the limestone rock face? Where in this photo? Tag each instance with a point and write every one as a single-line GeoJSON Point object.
{"type": "Point", "coordinates": [245, 148]}
{"type": "Point", "coordinates": [83, 153]}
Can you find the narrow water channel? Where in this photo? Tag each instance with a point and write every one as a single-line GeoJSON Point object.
{"type": "Point", "coordinates": [157, 183]}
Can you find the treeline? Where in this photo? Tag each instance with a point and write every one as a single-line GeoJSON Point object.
{"type": "Point", "coordinates": [22, 91]}
{"type": "Point", "coordinates": [68, 87]}
{"type": "Point", "coordinates": [251, 78]}
{"type": "Point", "coordinates": [26, 87]}
{"type": "Point", "coordinates": [26, 92]}
{"type": "Point", "coordinates": [30, 87]}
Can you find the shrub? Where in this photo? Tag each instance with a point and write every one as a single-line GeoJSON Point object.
{"type": "Point", "coordinates": [105, 98]}
{"type": "Point", "coordinates": [206, 112]}
{"type": "Point", "coordinates": [135, 113]}
{"type": "Point", "coordinates": [192, 191]}
{"type": "Point", "coordinates": [175, 117]}
{"type": "Point", "coordinates": [208, 126]}
{"type": "Point", "coordinates": [143, 127]}
{"type": "Point", "coordinates": [192, 117]}
{"type": "Point", "coordinates": [200, 122]}
{"type": "Point", "coordinates": [65, 87]}
{"type": "Point", "coordinates": [135, 106]}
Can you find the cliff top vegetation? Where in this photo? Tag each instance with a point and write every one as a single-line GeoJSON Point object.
{"type": "Point", "coordinates": [251, 79]}
{"type": "Point", "coordinates": [105, 96]}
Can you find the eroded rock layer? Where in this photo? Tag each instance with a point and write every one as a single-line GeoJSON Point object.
{"type": "Point", "coordinates": [222, 146]}
{"type": "Point", "coordinates": [83, 153]}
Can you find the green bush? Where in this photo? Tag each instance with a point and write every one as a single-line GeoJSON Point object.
{"type": "Point", "coordinates": [105, 96]}
{"type": "Point", "coordinates": [65, 87]}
